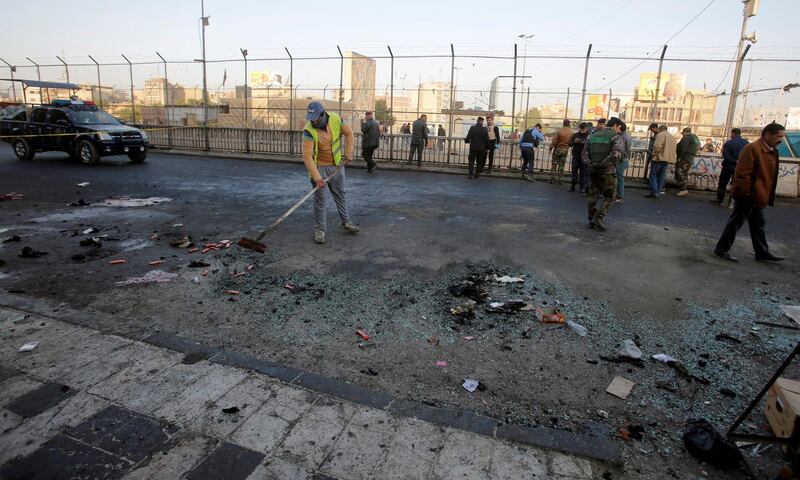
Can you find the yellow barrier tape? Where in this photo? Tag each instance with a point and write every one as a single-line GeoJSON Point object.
{"type": "Point", "coordinates": [95, 132]}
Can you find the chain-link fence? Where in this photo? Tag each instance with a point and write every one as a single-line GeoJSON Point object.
{"type": "Point", "coordinates": [521, 85]}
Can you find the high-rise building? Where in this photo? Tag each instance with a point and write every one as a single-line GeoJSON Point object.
{"type": "Point", "coordinates": [431, 98]}
{"type": "Point", "coordinates": [358, 81]}
{"type": "Point", "coordinates": [155, 92]}
{"type": "Point", "coordinates": [494, 93]}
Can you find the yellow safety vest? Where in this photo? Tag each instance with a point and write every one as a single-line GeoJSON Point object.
{"type": "Point", "coordinates": [335, 121]}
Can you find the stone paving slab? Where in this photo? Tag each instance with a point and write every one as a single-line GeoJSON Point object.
{"type": "Point", "coordinates": [64, 457]}
{"type": "Point", "coordinates": [37, 401]}
{"type": "Point", "coordinates": [152, 412]}
{"type": "Point", "coordinates": [181, 457]}
{"type": "Point", "coordinates": [32, 433]}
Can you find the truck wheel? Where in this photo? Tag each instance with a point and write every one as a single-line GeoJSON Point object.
{"type": "Point", "coordinates": [23, 149]}
{"type": "Point", "coordinates": [137, 157]}
{"type": "Point", "coordinates": [87, 153]}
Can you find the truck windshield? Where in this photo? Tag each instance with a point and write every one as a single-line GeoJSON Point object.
{"type": "Point", "coordinates": [92, 117]}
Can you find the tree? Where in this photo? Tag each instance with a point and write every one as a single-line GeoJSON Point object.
{"type": "Point", "coordinates": [383, 113]}
{"type": "Point", "coordinates": [534, 117]}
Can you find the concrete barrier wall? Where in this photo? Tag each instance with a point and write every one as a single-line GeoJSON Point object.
{"type": "Point", "coordinates": [706, 168]}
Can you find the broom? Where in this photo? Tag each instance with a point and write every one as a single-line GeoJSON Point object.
{"type": "Point", "coordinates": [256, 244]}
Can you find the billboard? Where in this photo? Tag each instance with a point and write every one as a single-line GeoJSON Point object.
{"type": "Point", "coordinates": [596, 107]}
{"type": "Point", "coordinates": [671, 87]}
{"type": "Point", "coordinates": [259, 79]}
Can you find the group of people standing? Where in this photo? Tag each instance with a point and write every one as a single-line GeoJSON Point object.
{"type": "Point", "coordinates": [599, 159]}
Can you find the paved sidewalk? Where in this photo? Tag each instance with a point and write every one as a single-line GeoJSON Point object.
{"type": "Point", "coordinates": [84, 404]}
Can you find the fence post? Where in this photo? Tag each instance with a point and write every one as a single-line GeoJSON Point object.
{"type": "Point", "coordinates": [13, 83]}
{"type": "Point", "coordinates": [133, 98]}
{"type": "Point", "coordinates": [513, 106]}
{"type": "Point", "coordinates": [658, 85]}
{"type": "Point", "coordinates": [452, 99]}
{"type": "Point", "coordinates": [585, 74]}
{"type": "Point", "coordinates": [38, 73]}
{"type": "Point", "coordinates": [566, 108]}
{"type": "Point", "coordinates": [735, 90]}
{"type": "Point", "coordinates": [66, 67]}
{"type": "Point", "coordinates": [341, 79]}
{"type": "Point", "coordinates": [166, 102]}
{"type": "Point", "coordinates": [391, 104]}
{"type": "Point", "coordinates": [291, 102]}
{"type": "Point", "coordinates": [246, 104]}
{"type": "Point", "coordinates": [99, 89]}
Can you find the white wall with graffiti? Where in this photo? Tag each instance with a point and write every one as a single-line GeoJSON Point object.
{"type": "Point", "coordinates": [706, 168]}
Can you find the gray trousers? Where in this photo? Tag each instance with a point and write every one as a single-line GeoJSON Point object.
{"type": "Point", "coordinates": [336, 186]}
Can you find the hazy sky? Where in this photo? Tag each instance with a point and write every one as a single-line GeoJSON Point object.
{"type": "Point", "coordinates": [44, 28]}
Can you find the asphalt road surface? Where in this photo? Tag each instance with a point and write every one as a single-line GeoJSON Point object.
{"type": "Point", "coordinates": [650, 277]}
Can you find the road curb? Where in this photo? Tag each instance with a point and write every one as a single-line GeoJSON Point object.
{"type": "Point", "coordinates": [583, 445]}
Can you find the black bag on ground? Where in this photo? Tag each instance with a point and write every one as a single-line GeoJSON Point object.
{"type": "Point", "coordinates": [705, 443]}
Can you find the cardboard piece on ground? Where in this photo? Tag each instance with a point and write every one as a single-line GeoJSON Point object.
{"type": "Point", "coordinates": [620, 387]}
{"type": "Point", "coordinates": [783, 406]}
{"type": "Point", "coordinates": [792, 311]}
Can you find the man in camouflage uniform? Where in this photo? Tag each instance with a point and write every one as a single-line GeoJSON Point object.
{"type": "Point", "coordinates": [603, 150]}
{"type": "Point", "coordinates": [559, 147]}
{"type": "Point", "coordinates": [686, 150]}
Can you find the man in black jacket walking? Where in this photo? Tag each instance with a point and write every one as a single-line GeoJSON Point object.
{"type": "Point", "coordinates": [370, 138]}
{"type": "Point", "coordinates": [419, 137]}
{"type": "Point", "coordinates": [478, 140]}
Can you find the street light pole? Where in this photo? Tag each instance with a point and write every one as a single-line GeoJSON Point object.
{"type": "Point", "coordinates": [524, 62]}
{"type": "Point", "coordinates": [750, 10]}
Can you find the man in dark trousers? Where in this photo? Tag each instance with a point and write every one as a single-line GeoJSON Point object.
{"type": "Point", "coordinates": [730, 154]}
{"type": "Point", "coordinates": [580, 174]}
{"type": "Point", "coordinates": [370, 138]}
{"type": "Point", "coordinates": [754, 183]}
{"type": "Point", "coordinates": [686, 150]}
{"type": "Point", "coordinates": [419, 138]}
{"type": "Point", "coordinates": [478, 140]}
{"type": "Point", "coordinates": [441, 133]}
{"type": "Point", "coordinates": [494, 140]}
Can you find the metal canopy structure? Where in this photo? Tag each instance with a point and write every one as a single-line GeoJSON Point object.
{"type": "Point", "coordinates": [40, 84]}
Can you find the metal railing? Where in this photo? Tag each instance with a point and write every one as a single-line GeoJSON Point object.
{"type": "Point", "coordinates": [392, 148]}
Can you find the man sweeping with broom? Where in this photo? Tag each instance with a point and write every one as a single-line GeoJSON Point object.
{"type": "Point", "coordinates": [322, 154]}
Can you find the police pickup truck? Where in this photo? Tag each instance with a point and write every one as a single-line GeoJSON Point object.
{"type": "Point", "coordinates": [78, 128]}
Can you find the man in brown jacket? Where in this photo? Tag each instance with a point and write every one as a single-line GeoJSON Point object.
{"type": "Point", "coordinates": [664, 154]}
{"type": "Point", "coordinates": [558, 151]}
{"type": "Point", "coordinates": [754, 184]}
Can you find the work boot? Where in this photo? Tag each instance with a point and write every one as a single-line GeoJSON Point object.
{"type": "Point", "coordinates": [319, 236]}
{"type": "Point", "coordinates": [350, 227]}
{"type": "Point", "coordinates": [682, 193]}
{"type": "Point", "coordinates": [598, 225]}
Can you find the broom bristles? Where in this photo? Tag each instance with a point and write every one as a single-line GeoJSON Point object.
{"type": "Point", "coordinates": [252, 245]}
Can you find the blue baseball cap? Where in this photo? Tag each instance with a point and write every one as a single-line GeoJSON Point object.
{"type": "Point", "coordinates": [314, 110]}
